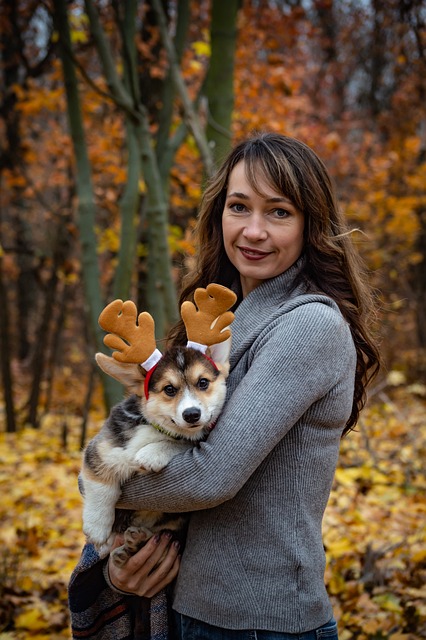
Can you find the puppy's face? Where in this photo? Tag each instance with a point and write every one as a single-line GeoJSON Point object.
{"type": "Point", "coordinates": [186, 393]}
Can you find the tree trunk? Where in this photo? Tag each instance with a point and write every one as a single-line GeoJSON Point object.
{"type": "Point", "coordinates": [220, 77]}
{"type": "Point", "coordinates": [129, 208]}
{"type": "Point", "coordinates": [420, 281]}
{"type": "Point", "coordinates": [326, 15]}
{"type": "Point", "coordinates": [9, 151]}
{"type": "Point", "coordinates": [190, 115]}
{"type": "Point", "coordinates": [41, 342]}
{"type": "Point", "coordinates": [130, 201]}
{"type": "Point", "coordinates": [55, 344]}
{"type": "Point", "coordinates": [167, 145]}
{"type": "Point", "coordinates": [26, 284]}
{"type": "Point", "coordinates": [377, 55]}
{"type": "Point", "coordinates": [86, 206]}
{"type": "Point", "coordinates": [161, 294]}
{"type": "Point", "coordinates": [5, 355]}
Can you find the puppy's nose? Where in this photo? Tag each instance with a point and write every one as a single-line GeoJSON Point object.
{"type": "Point", "coordinates": [191, 415]}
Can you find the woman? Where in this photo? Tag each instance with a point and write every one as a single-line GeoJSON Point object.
{"type": "Point", "coordinates": [253, 567]}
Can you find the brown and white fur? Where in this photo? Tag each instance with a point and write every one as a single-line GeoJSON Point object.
{"type": "Point", "coordinates": [186, 395]}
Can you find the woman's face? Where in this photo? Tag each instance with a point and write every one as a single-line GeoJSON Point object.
{"type": "Point", "coordinates": [262, 234]}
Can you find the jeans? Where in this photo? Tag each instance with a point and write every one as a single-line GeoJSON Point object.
{"type": "Point", "coordinates": [191, 629]}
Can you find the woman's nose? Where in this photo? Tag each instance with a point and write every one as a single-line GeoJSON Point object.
{"type": "Point", "coordinates": [255, 228]}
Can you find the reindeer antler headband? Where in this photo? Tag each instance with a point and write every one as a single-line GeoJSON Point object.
{"type": "Point", "coordinates": [133, 335]}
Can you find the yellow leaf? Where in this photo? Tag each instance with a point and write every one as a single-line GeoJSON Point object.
{"type": "Point", "coordinates": [202, 48]}
{"type": "Point", "coordinates": [27, 584]}
{"type": "Point", "coordinates": [109, 241]}
{"type": "Point", "coordinates": [395, 378]}
{"type": "Point", "coordinates": [78, 37]}
{"type": "Point", "coordinates": [340, 546]}
{"type": "Point", "coordinates": [371, 626]}
{"type": "Point", "coordinates": [195, 65]}
{"type": "Point", "coordinates": [389, 602]}
{"type": "Point", "coordinates": [419, 556]}
{"type": "Point", "coordinates": [30, 620]}
{"type": "Point", "coordinates": [416, 593]}
{"type": "Point", "coordinates": [336, 584]}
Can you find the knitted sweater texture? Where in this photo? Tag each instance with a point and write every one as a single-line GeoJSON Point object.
{"type": "Point", "coordinates": [259, 485]}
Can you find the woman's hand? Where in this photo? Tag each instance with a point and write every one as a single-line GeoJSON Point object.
{"type": "Point", "coordinates": [151, 569]}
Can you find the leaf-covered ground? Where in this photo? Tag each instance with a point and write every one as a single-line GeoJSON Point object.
{"type": "Point", "coordinates": [374, 528]}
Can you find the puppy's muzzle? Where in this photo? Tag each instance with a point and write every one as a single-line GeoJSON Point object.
{"type": "Point", "coordinates": [191, 415]}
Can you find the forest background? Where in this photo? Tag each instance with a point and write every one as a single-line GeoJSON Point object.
{"type": "Point", "coordinates": [100, 179]}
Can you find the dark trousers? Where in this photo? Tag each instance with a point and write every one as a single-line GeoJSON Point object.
{"type": "Point", "coordinates": [191, 629]}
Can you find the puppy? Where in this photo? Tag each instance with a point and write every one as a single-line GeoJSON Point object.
{"type": "Point", "coordinates": [166, 414]}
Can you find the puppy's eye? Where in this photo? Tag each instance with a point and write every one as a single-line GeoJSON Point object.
{"type": "Point", "coordinates": [203, 384]}
{"type": "Point", "coordinates": [169, 390]}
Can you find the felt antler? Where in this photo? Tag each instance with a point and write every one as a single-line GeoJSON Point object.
{"type": "Point", "coordinates": [132, 335]}
{"type": "Point", "coordinates": [206, 325]}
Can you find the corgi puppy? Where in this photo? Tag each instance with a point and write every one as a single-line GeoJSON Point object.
{"type": "Point", "coordinates": [163, 416]}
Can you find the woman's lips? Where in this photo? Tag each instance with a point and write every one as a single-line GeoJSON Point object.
{"type": "Point", "coordinates": [253, 254]}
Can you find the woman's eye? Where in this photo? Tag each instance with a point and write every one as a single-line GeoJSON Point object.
{"type": "Point", "coordinates": [203, 384]}
{"type": "Point", "coordinates": [237, 208]}
{"type": "Point", "coordinates": [170, 390]}
{"type": "Point", "coordinates": [281, 213]}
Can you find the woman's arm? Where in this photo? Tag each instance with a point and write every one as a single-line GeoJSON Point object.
{"type": "Point", "coordinates": [300, 358]}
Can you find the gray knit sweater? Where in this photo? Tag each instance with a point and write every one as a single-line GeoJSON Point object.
{"type": "Point", "coordinates": [259, 486]}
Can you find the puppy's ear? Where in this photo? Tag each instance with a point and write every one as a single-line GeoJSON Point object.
{"type": "Point", "coordinates": [219, 353]}
{"type": "Point", "coordinates": [132, 376]}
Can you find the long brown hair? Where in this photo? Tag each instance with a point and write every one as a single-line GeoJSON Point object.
{"type": "Point", "coordinates": [332, 265]}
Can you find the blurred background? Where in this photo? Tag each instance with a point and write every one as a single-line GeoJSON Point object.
{"type": "Point", "coordinates": [112, 117]}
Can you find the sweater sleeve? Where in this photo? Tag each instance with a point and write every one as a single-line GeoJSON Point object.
{"type": "Point", "coordinates": [94, 608]}
{"type": "Point", "coordinates": [99, 610]}
{"type": "Point", "coordinates": [295, 362]}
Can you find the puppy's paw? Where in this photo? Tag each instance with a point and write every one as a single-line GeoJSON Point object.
{"type": "Point", "coordinates": [134, 539]}
{"type": "Point", "coordinates": [99, 535]}
{"type": "Point", "coordinates": [104, 548]}
{"type": "Point", "coordinates": [120, 556]}
{"type": "Point", "coordinates": [150, 460]}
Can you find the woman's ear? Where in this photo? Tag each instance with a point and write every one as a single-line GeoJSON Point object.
{"type": "Point", "coordinates": [132, 376]}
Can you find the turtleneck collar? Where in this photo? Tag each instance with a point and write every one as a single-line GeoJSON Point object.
{"type": "Point", "coordinates": [278, 289]}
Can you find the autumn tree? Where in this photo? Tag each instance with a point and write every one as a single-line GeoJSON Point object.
{"type": "Point", "coordinates": [18, 68]}
{"type": "Point", "coordinates": [10, 128]}
{"type": "Point", "coordinates": [143, 162]}
{"type": "Point", "coordinates": [144, 134]}
{"type": "Point", "coordinates": [361, 106]}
